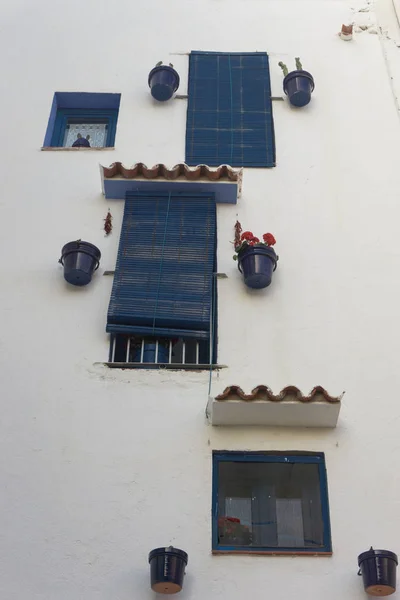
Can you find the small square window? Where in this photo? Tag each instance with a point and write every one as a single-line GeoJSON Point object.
{"type": "Point", "coordinates": [272, 503]}
{"type": "Point", "coordinates": [82, 120]}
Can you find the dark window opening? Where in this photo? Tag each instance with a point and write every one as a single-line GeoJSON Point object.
{"type": "Point", "coordinates": [138, 351]}
{"type": "Point", "coordinates": [270, 502]}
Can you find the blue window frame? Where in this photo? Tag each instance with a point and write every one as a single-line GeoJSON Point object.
{"type": "Point", "coordinates": [89, 118]}
{"type": "Point", "coordinates": [270, 503]}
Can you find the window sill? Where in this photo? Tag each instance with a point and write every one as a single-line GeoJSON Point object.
{"type": "Point", "coordinates": [274, 552]}
{"type": "Point", "coordinates": [169, 366]}
{"type": "Point", "coordinates": [79, 149]}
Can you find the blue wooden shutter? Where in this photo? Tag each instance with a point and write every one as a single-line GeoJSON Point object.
{"type": "Point", "coordinates": [163, 282]}
{"type": "Point", "coordinates": [229, 115]}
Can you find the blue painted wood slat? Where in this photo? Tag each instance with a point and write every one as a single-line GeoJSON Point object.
{"type": "Point", "coordinates": [229, 115]}
{"type": "Point", "coordinates": [163, 280]}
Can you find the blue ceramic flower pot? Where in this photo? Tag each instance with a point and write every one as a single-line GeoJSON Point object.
{"type": "Point", "coordinates": [80, 260]}
{"type": "Point", "coordinates": [257, 264]}
{"type": "Point", "coordinates": [378, 570]}
{"type": "Point", "coordinates": [167, 569]}
{"type": "Point", "coordinates": [298, 86]}
{"type": "Point", "coordinates": [163, 82]}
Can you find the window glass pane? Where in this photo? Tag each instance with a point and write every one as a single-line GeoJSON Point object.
{"type": "Point", "coordinates": [270, 505]}
{"type": "Point", "coordinates": [97, 133]}
{"type": "Point", "coordinates": [289, 522]}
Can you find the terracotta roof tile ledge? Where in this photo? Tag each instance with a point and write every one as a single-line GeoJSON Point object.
{"type": "Point", "coordinates": [224, 181]}
{"type": "Point", "coordinates": [290, 408]}
{"type": "Point", "coordinates": [263, 392]}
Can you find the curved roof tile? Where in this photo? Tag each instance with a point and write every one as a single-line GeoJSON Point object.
{"type": "Point", "coordinates": [290, 392]}
{"type": "Point", "coordinates": [117, 169]}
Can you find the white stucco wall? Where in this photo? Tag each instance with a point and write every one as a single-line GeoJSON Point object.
{"type": "Point", "coordinates": [100, 466]}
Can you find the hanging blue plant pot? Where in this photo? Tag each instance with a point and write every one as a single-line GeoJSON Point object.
{"type": "Point", "coordinates": [378, 570]}
{"type": "Point", "coordinates": [298, 86]}
{"type": "Point", "coordinates": [257, 264]}
{"type": "Point", "coordinates": [167, 569]}
{"type": "Point", "coordinates": [80, 260]}
{"type": "Point", "coordinates": [163, 82]}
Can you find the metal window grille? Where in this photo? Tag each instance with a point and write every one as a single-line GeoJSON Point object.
{"type": "Point", "coordinates": [152, 352]}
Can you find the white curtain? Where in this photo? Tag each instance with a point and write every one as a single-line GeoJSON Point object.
{"type": "Point", "coordinates": [264, 515]}
{"type": "Point", "coordinates": [289, 520]}
{"type": "Point", "coordinates": [97, 133]}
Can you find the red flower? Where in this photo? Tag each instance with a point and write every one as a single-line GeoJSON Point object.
{"type": "Point", "coordinates": [221, 520]}
{"type": "Point", "coordinates": [246, 235]}
{"type": "Point", "coordinates": [254, 240]}
{"type": "Point", "coordinates": [269, 239]}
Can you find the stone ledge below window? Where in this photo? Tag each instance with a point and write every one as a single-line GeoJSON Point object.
{"type": "Point", "coordinates": [261, 407]}
{"type": "Point", "coordinates": [70, 149]}
{"type": "Point", "coordinates": [162, 366]}
{"type": "Point", "coordinates": [307, 553]}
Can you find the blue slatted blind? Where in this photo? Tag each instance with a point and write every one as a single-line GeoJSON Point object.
{"type": "Point", "coordinates": [229, 115]}
{"type": "Point", "coordinates": [163, 282]}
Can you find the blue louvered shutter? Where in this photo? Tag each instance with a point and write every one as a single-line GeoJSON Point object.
{"type": "Point", "coordinates": [229, 114]}
{"type": "Point", "coordinates": [163, 282]}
